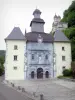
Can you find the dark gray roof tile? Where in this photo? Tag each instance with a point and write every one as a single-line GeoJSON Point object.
{"type": "Point", "coordinates": [16, 34]}
{"type": "Point", "coordinates": [37, 11]}
{"type": "Point", "coordinates": [59, 36]}
{"type": "Point", "coordinates": [33, 37]}
{"type": "Point", "coordinates": [37, 20]}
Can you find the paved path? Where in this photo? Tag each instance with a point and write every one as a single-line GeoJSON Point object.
{"type": "Point", "coordinates": [66, 84]}
{"type": "Point", "coordinates": [52, 89]}
{"type": "Point", "coordinates": [7, 93]}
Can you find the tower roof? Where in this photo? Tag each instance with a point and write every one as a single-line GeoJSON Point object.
{"type": "Point", "coordinates": [59, 36]}
{"type": "Point", "coordinates": [36, 11]}
{"type": "Point", "coordinates": [16, 34]}
{"type": "Point", "coordinates": [37, 20]}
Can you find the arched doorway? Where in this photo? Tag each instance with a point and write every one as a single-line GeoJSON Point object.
{"type": "Point", "coordinates": [39, 73]}
{"type": "Point", "coordinates": [47, 74]}
{"type": "Point", "coordinates": [32, 74]}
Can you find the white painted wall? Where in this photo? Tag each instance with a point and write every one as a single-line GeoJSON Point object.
{"type": "Point", "coordinates": [58, 58]}
{"type": "Point", "coordinates": [10, 73]}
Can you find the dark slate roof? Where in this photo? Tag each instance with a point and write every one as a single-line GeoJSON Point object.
{"type": "Point", "coordinates": [59, 36]}
{"type": "Point", "coordinates": [16, 34]}
{"type": "Point", "coordinates": [33, 37]}
{"type": "Point", "coordinates": [37, 11]}
{"type": "Point", "coordinates": [37, 20]}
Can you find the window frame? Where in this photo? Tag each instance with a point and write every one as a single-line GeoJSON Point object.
{"type": "Point", "coordinates": [64, 67]}
{"type": "Point", "coordinates": [63, 48]}
{"type": "Point", "coordinates": [46, 57]}
{"type": "Point", "coordinates": [63, 58]}
{"type": "Point", "coordinates": [15, 47]}
{"type": "Point", "coordinates": [15, 67]}
{"type": "Point", "coordinates": [32, 56]}
{"type": "Point", "coordinates": [15, 57]}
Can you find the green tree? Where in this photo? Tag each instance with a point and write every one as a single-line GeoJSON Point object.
{"type": "Point", "coordinates": [69, 17]}
{"type": "Point", "coordinates": [1, 65]}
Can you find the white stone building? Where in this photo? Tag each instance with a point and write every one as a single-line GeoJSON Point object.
{"type": "Point", "coordinates": [36, 54]}
{"type": "Point", "coordinates": [57, 24]}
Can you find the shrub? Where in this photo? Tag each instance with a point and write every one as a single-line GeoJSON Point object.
{"type": "Point", "coordinates": [1, 71]}
{"type": "Point", "coordinates": [67, 72]}
{"type": "Point", "coordinates": [60, 76]}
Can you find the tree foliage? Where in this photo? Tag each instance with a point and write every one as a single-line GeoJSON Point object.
{"type": "Point", "coordinates": [69, 17]}
{"type": "Point", "coordinates": [2, 60]}
{"type": "Point", "coordinates": [67, 72]}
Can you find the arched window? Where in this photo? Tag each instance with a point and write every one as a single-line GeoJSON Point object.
{"type": "Point", "coordinates": [32, 74]}
{"type": "Point", "coordinates": [47, 74]}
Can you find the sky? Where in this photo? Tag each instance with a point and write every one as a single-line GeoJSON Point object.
{"type": "Point", "coordinates": [18, 13]}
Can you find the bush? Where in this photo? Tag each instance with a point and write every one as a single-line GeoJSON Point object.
{"type": "Point", "coordinates": [67, 72]}
{"type": "Point", "coordinates": [60, 76]}
{"type": "Point", "coordinates": [1, 71]}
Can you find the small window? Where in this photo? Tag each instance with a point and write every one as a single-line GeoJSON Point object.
{"type": "Point", "coordinates": [63, 67]}
{"type": "Point", "coordinates": [63, 48]}
{"type": "Point", "coordinates": [15, 47]}
{"type": "Point", "coordinates": [32, 56]}
{"type": "Point", "coordinates": [15, 57]}
{"type": "Point", "coordinates": [46, 57]}
{"type": "Point", "coordinates": [63, 58]}
{"type": "Point", "coordinates": [15, 68]}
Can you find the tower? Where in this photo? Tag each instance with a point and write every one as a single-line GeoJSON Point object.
{"type": "Point", "coordinates": [37, 24]}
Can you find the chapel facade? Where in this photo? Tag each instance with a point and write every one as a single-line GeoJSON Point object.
{"type": "Point", "coordinates": [36, 54]}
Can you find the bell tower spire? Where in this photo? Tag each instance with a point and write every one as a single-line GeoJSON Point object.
{"type": "Point", "coordinates": [37, 24]}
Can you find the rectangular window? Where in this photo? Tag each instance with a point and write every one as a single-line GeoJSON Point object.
{"type": "Point", "coordinates": [15, 47]}
{"type": "Point", "coordinates": [46, 57]}
{"type": "Point", "coordinates": [63, 58]}
{"type": "Point", "coordinates": [63, 49]}
{"type": "Point", "coordinates": [15, 57]}
{"type": "Point", "coordinates": [32, 56]}
{"type": "Point", "coordinates": [15, 68]}
{"type": "Point", "coordinates": [64, 67]}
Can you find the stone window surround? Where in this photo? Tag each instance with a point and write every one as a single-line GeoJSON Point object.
{"type": "Point", "coordinates": [15, 57]}
{"type": "Point", "coordinates": [15, 47]}
{"type": "Point", "coordinates": [63, 48]}
{"type": "Point", "coordinates": [15, 67]}
{"type": "Point", "coordinates": [63, 58]}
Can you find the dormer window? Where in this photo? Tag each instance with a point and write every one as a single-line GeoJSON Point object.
{"type": "Point", "coordinates": [15, 47]}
